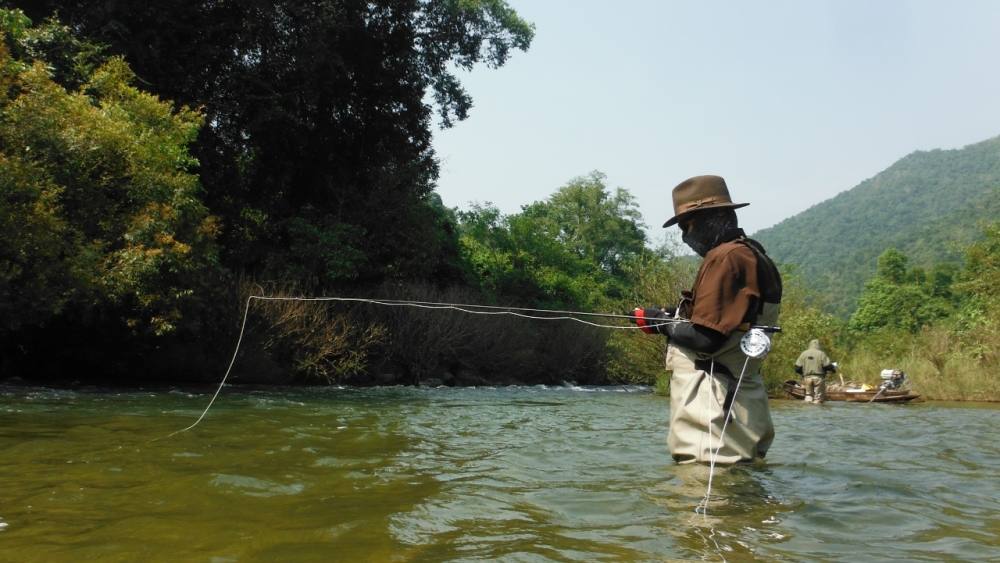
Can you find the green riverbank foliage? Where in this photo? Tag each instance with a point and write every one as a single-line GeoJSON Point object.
{"type": "Point", "coordinates": [101, 216]}
{"type": "Point", "coordinates": [942, 329]}
{"type": "Point", "coordinates": [308, 160]}
{"type": "Point", "coordinates": [156, 172]}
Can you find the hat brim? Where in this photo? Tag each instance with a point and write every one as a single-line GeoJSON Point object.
{"type": "Point", "coordinates": [673, 220]}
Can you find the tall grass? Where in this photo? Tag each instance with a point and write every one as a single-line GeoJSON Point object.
{"type": "Point", "coordinates": [941, 364]}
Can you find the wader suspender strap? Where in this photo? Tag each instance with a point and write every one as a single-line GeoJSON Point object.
{"type": "Point", "coordinates": [713, 369]}
{"type": "Point", "coordinates": [728, 402]}
{"type": "Point", "coordinates": [773, 277]}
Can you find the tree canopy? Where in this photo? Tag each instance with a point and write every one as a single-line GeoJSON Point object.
{"type": "Point", "coordinates": [573, 249]}
{"type": "Point", "coordinates": [899, 297]}
{"type": "Point", "coordinates": [318, 123]}
{"type": "Point", "coordinates": [99, 209]}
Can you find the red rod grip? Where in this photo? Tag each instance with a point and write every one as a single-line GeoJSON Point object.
{"type": "Point", "coordinates": [640, 320]}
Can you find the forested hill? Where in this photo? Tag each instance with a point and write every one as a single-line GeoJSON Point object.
{"type": "Point", "coordinates": [928, 205]}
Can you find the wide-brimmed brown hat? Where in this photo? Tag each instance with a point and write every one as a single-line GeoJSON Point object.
{"type": "Point", "coordinates": [698, 193]}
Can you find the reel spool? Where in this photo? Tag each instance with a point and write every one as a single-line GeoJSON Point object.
{"type": "Point", "coordinates": [755, 343]}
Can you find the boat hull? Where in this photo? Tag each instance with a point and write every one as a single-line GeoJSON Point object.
{"type": "Point", "coordinates": [795, 391]}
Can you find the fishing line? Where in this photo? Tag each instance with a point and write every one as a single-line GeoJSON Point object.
{"type": "Point", "coordinates": [243, 327]}
{"type": "Point", "coordinates": [703, 505]}
{"type": "Point", "coordinates": [463, 307]}
{"type": "Point", "coordinates": [494, 310]}
{"type": "Point", "coordinates": [491, 310]}
{"type": "Point", "coordinates": [747, 344]}
{"type": "Point", "coordinates": [438, 305]}
{"type": "Point", "coordinates": [713, 384]}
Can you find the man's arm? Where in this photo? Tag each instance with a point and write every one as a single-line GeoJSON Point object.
{"type": "Point", "coordinates": [654, 320]}
{"type": "Point", "coordinates": [694, 337]}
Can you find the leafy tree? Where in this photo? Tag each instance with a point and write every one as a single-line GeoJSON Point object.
{"type": "Point", "coordinates": [100, 212]}
{"type": "Point", "coordinates": [981, 275]}
{"type": "Point", "coordinates": [516, 262]}
{"type": "Point", "coordinates": [574, 249]}
{"type": "Point", "coordinates": [979, 283]}
{"type": "Point", "coordinates": [892, 266]}
{"type": "Point", "coordinates": [599, 226]}
{"type": "Point", "coordinates": [899, 298]}
{"type": "Point", "coordinates": [582, 248]}
{"type": "Point", "coordinates": [317, 146]}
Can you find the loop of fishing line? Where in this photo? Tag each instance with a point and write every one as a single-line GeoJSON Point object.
{"type": "Point", "coordinates": [516, 312]}
{"type": "Point", "coordinates": [463, 307]}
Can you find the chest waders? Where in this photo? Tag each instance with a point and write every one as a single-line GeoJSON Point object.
{"type": "Point", "coordinates": [703, 390]}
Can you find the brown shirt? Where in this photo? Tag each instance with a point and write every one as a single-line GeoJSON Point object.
{"type": "Point", "coordinates": [727, 291]}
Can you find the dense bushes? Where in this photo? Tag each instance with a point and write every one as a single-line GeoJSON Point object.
{"type": "Point", "coordinates": [100, 209]}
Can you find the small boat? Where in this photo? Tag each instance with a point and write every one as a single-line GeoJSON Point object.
{"type": "Point", "coordinates": [853, 394]}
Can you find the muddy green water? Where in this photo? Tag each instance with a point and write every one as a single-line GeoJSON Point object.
{"type": "Point", "coordinates": [510, 474]}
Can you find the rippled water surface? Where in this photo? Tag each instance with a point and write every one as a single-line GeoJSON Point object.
{"type": "Point", "coordinates": [513, 474]}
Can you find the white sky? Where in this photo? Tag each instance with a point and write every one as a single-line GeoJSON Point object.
{"type": "Point", "coordinates": [791, 101]}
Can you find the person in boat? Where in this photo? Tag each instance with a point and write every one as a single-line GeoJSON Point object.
{"type": "Point", "coordinates": [813, 364]}
{"type": "Point", "coordinates": [737, 285]}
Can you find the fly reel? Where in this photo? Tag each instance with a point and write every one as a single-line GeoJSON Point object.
{"type": "Point", "coordinates": [755, 343]}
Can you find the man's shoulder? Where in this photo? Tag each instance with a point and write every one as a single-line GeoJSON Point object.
{"type": "Point", "coordinates": [734, 249]}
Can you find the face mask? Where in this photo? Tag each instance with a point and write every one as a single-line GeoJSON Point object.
{"type": "Point", "coordinates": [707, 232]}
{"type": "Point", "coordinates": [693, 239]}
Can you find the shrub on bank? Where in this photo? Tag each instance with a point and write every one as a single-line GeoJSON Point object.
{"type": "Point", "coordinates": [364, 343]}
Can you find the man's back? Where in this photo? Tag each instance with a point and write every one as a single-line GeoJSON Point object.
{"type": "Point", "coordinates": [813, 360]}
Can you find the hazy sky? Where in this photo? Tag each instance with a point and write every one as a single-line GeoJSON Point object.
{"type": "Point", "coordinates": [792, 102]}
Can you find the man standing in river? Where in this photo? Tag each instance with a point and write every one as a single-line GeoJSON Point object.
{"type": "Point", "coordinates": [813, 364]}
{"type": "Point", "coordinates": [737, 285]}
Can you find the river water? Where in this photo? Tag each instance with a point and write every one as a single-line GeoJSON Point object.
{"type": "Point", "coordinates": [480, 474]}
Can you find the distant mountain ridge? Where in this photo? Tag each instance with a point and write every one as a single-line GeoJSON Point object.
{"type": "Point", "coordinates": [929, 205]}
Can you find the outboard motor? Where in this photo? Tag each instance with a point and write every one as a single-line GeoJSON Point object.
{"type": "Point", "coordinates": [892, 379]}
